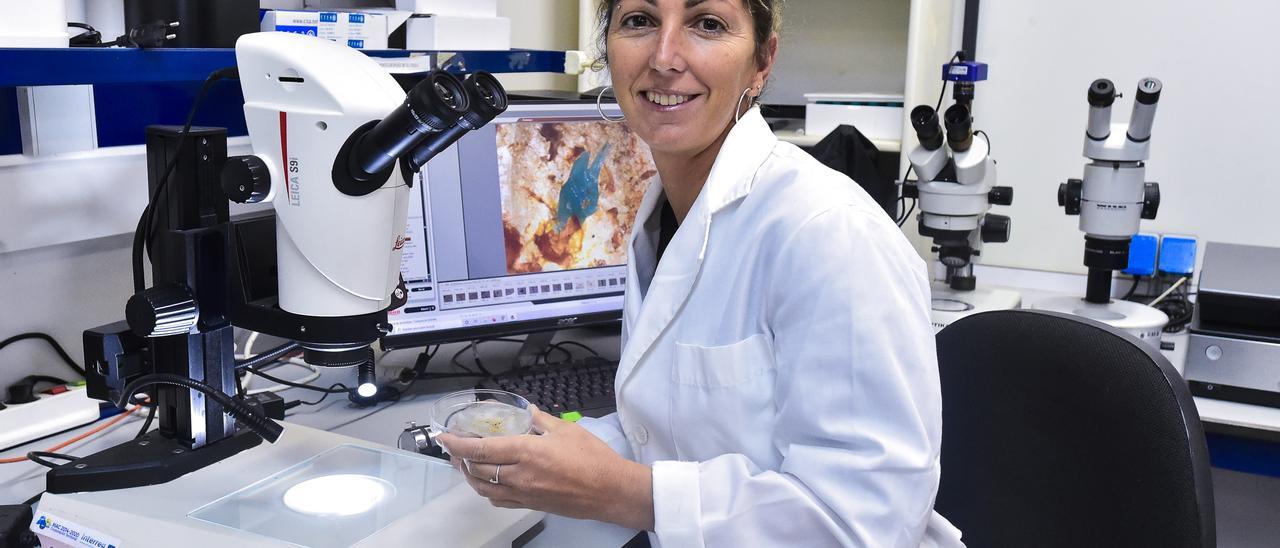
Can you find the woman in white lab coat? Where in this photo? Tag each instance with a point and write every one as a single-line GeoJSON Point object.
{"type": "Point", "coordinates": [778, 384]}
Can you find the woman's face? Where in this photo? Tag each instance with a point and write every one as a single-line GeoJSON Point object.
{"type": "Point", "coordinates": [679, 68]}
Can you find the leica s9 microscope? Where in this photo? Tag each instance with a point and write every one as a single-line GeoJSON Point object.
{"type": "Point", "coordinates": [336, 144]}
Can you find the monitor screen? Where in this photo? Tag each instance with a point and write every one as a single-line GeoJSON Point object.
{"type": "Point", "coordinates": [522, 226]}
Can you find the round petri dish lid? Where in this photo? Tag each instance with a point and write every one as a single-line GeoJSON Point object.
{"type": "Point", "coordinates": [482, 413]}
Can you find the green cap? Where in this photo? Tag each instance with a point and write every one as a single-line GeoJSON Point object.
{"type": "Point", "coordinates": [571, 416]}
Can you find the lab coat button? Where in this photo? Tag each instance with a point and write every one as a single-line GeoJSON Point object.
{"type": "Point", "coordinates": [639, 435]}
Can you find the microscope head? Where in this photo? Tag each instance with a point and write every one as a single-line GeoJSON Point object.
{"type": "Point", "coordinates": [1108, 142]}
{"type": "Point", "coordinates": [331, 130]}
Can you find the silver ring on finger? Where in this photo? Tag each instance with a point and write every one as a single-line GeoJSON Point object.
{"type": "Point", "coordinates": [496, 470]}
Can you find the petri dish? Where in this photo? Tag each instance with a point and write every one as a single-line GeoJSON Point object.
{"type": "Point", "coordinates": [481, 413]}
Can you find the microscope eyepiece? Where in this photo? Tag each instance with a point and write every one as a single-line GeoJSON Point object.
{"type": "Point", "coordinates": [925, 121]}
{"type": "Point", "coordinates": [1102, 93]}
{"type": "Point", "coordinates": [486, 98]}
{"type": "Point", "coordinates": [1149, 91]}
{"type": "Point", "coordinates": [959, 127]}
{"type": "Point", "coordinates": [367, 158]}
{"type": "Point", "coordinates": [438, 101]}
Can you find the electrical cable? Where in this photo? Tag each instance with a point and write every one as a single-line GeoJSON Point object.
{"type": "Point", "coordinates": [62, 353]}
{"type": "Point", "coordinates": [315, 374]}
{"type": "Point", "coordinates": [292, 384]}
{"type": "Point", "coordinates": [1132, 288]}
{"type": "Point", "coordinates": [143, 233]}
{"type": "Point", "coordinates": [579, 345]}
{"type": "Point", "coordinates": [39, 457]}
{"type": "Point", "coordinates": [987, 138]}
{"type": "Point", "coordinates": [327, 391]}
{"type": "Point", "coordinates": [146, 425]}
{"type": "Point", "coordinates": [907, 215]}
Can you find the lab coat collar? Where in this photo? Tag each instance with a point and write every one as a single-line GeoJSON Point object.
{"type": "Point", "coordinates": [732, 175]}
{"type": "Point", "coordinates": [745, 149]}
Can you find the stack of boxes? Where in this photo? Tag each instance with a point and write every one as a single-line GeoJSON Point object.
{"type": "Point", "coordinates": [434, 25]}
{"type": "Point", "coordinates": [360, 30]}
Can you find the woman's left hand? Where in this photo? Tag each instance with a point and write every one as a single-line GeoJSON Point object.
{"type": "Point", "coordinates": [565, 471]}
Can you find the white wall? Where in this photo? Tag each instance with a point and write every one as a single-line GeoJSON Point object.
{"type": "Point", "coordinates": [61, 290]}
{"type": "Point", "coordinates": [541, 24]}
{"type": "Point", "coordinates": [1213, 134]}
{"type": "Point", "coordinates": [840, 46]}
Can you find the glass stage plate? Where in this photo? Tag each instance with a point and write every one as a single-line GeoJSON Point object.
{"type": "Point", "coordinates": [336, 498]}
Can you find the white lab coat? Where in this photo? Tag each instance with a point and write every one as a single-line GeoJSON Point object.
{"type": "Point", "coordinates": [778, 369]}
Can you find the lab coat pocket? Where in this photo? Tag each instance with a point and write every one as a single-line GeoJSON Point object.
{"type": "Point", "coordinates": [722, 366]}
{"type": "Point", "coordinates": [721, 395]}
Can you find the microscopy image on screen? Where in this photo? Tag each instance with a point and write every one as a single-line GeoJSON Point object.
{"type": "Point", "coordinates": [570, 190]}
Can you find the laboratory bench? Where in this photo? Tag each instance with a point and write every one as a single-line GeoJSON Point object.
{"type": "Point", "coordinates": [1226, 422]}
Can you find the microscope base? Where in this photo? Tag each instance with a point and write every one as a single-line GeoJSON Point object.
{"type": "Point", "coordinates": [245, 501]}
{"type": "Point", "coordinates": [149, 460]}
{"type": "Point", "coordinates": [1139, 320]}
{"type": "Point", "coordinates": [950, 305]}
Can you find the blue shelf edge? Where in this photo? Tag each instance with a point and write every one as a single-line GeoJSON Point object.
{"type": "Point", "coordinates": [72, 66]}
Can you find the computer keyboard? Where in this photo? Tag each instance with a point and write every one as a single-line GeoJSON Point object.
{"type": "Point", "coordinates": [584, 386]}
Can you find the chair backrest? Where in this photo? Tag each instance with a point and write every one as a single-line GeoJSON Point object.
{"type": "Point", "coordinates": [1062, 431]}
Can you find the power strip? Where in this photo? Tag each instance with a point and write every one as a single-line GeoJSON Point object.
{"type": "Point", "coordinates": [48, 415]}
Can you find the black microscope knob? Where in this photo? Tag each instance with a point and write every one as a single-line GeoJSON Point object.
{"type": "Point", "coordinates": [1000, 195]}
{"type": "Point", "coordinates": [162, 311]}
{"type": "Point", "coordinates": [1150, 200]}
{"type": "Point", "coordinates": [995, 229]}
{"type": "Point", "coordinates": [1069, 195]}
{"type": "Point", "coordinates": [245, 179]}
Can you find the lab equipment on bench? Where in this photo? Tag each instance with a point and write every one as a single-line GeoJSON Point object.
{"type": "Point", "coordinates": [335, 144]}
{"type": "Point", "coordinates": [956, 187]}
{"type": "Point", "coordinates": [1233, 351]}
{"type": "Point", "coordinates": [1111, 201]}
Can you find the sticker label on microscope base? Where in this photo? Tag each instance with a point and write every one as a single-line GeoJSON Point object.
{"type": "Point", "coordinates": [73, 534]}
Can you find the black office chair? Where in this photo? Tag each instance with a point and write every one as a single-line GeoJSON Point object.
{"type": "Point", "coordinates": [1062, 431]}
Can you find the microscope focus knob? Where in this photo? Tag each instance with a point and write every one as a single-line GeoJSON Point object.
{"type": "Point", "coordinates": [1069, 195]}
{"type": "Point", "coordinates": [910, 190]}
{"type": "Point", "coordinates": [162, 311]}
{"type": "Point", "coordinates": [245, 179]}
{"type": "Point", "coordinates": [995, 229]}
{"type": "Point", "coordinates": [1150, 200]}
{"type": "Point", "coordinates": [1000, 195]}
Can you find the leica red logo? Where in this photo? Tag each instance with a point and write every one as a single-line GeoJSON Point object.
{"type": "Point", "coordinates": [399, 244]}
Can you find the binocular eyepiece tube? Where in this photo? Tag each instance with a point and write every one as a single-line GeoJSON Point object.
{"type": "Point", "coordinates": [487, 99]}
{"type": "Point", "coordinates": [435, 114]}
{"type": "Point", "coordinates": [1102, 94]}
{"type": "Point", "coordinates": [432, 106]}
{"type": "Point", "coordinates": [959, 127]}
{"type": "Point", "coordinates": [1144, 109]}
{"type": "Point", "coordinates": [925, 121]}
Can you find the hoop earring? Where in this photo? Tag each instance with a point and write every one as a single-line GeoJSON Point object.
{"type": "Point", "coordinates": [600, 107]}
{"type": "Point", "coordinates": [737, 111]}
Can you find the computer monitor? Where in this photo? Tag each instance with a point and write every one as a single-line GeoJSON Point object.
{"type": "Point", "coordinates": [522, 227]}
